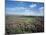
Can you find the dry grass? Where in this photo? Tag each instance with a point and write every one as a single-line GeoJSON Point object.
{"type": "Point", "coordinates": [24, 24]}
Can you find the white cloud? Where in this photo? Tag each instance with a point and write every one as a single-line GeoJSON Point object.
{"type": "Point", "coordinates": [33, 5]}
{"type": "Point", "coordinates": [41, 9]}
{"type": "Point", "coordinates": [24, 11]}
{"type": "Point", "coordinates": [10, 13]}
{"type": "Point", "coordinates": [10, 9]}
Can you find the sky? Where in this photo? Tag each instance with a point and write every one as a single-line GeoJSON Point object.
{"type": "Point", "coordinates": [14, 7]}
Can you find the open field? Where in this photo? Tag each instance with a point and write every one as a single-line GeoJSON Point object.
{"type": "Point", "coordinates": [24, 24]}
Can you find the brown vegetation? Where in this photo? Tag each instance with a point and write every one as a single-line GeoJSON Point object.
{"type": "Point", "coordinates": [19, 25]}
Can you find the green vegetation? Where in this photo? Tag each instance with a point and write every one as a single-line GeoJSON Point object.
{"type": "Point", "coordinates": [24, 24]}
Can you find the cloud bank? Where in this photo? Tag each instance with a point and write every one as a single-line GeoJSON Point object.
{"type": "Point", "coordinates": [24, 8]}
{"type": "Point", "coordinates": [24, 11]}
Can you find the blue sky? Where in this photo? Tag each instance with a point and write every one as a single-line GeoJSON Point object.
{"type": "Point", "coordinates": [24, 8]}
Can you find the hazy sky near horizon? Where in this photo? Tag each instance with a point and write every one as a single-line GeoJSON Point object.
{"type": "Point", "coordinates": [24, 8]}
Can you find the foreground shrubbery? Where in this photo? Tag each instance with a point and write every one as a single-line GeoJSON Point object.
{"type": "Point", "coordinates": [24, 25]}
